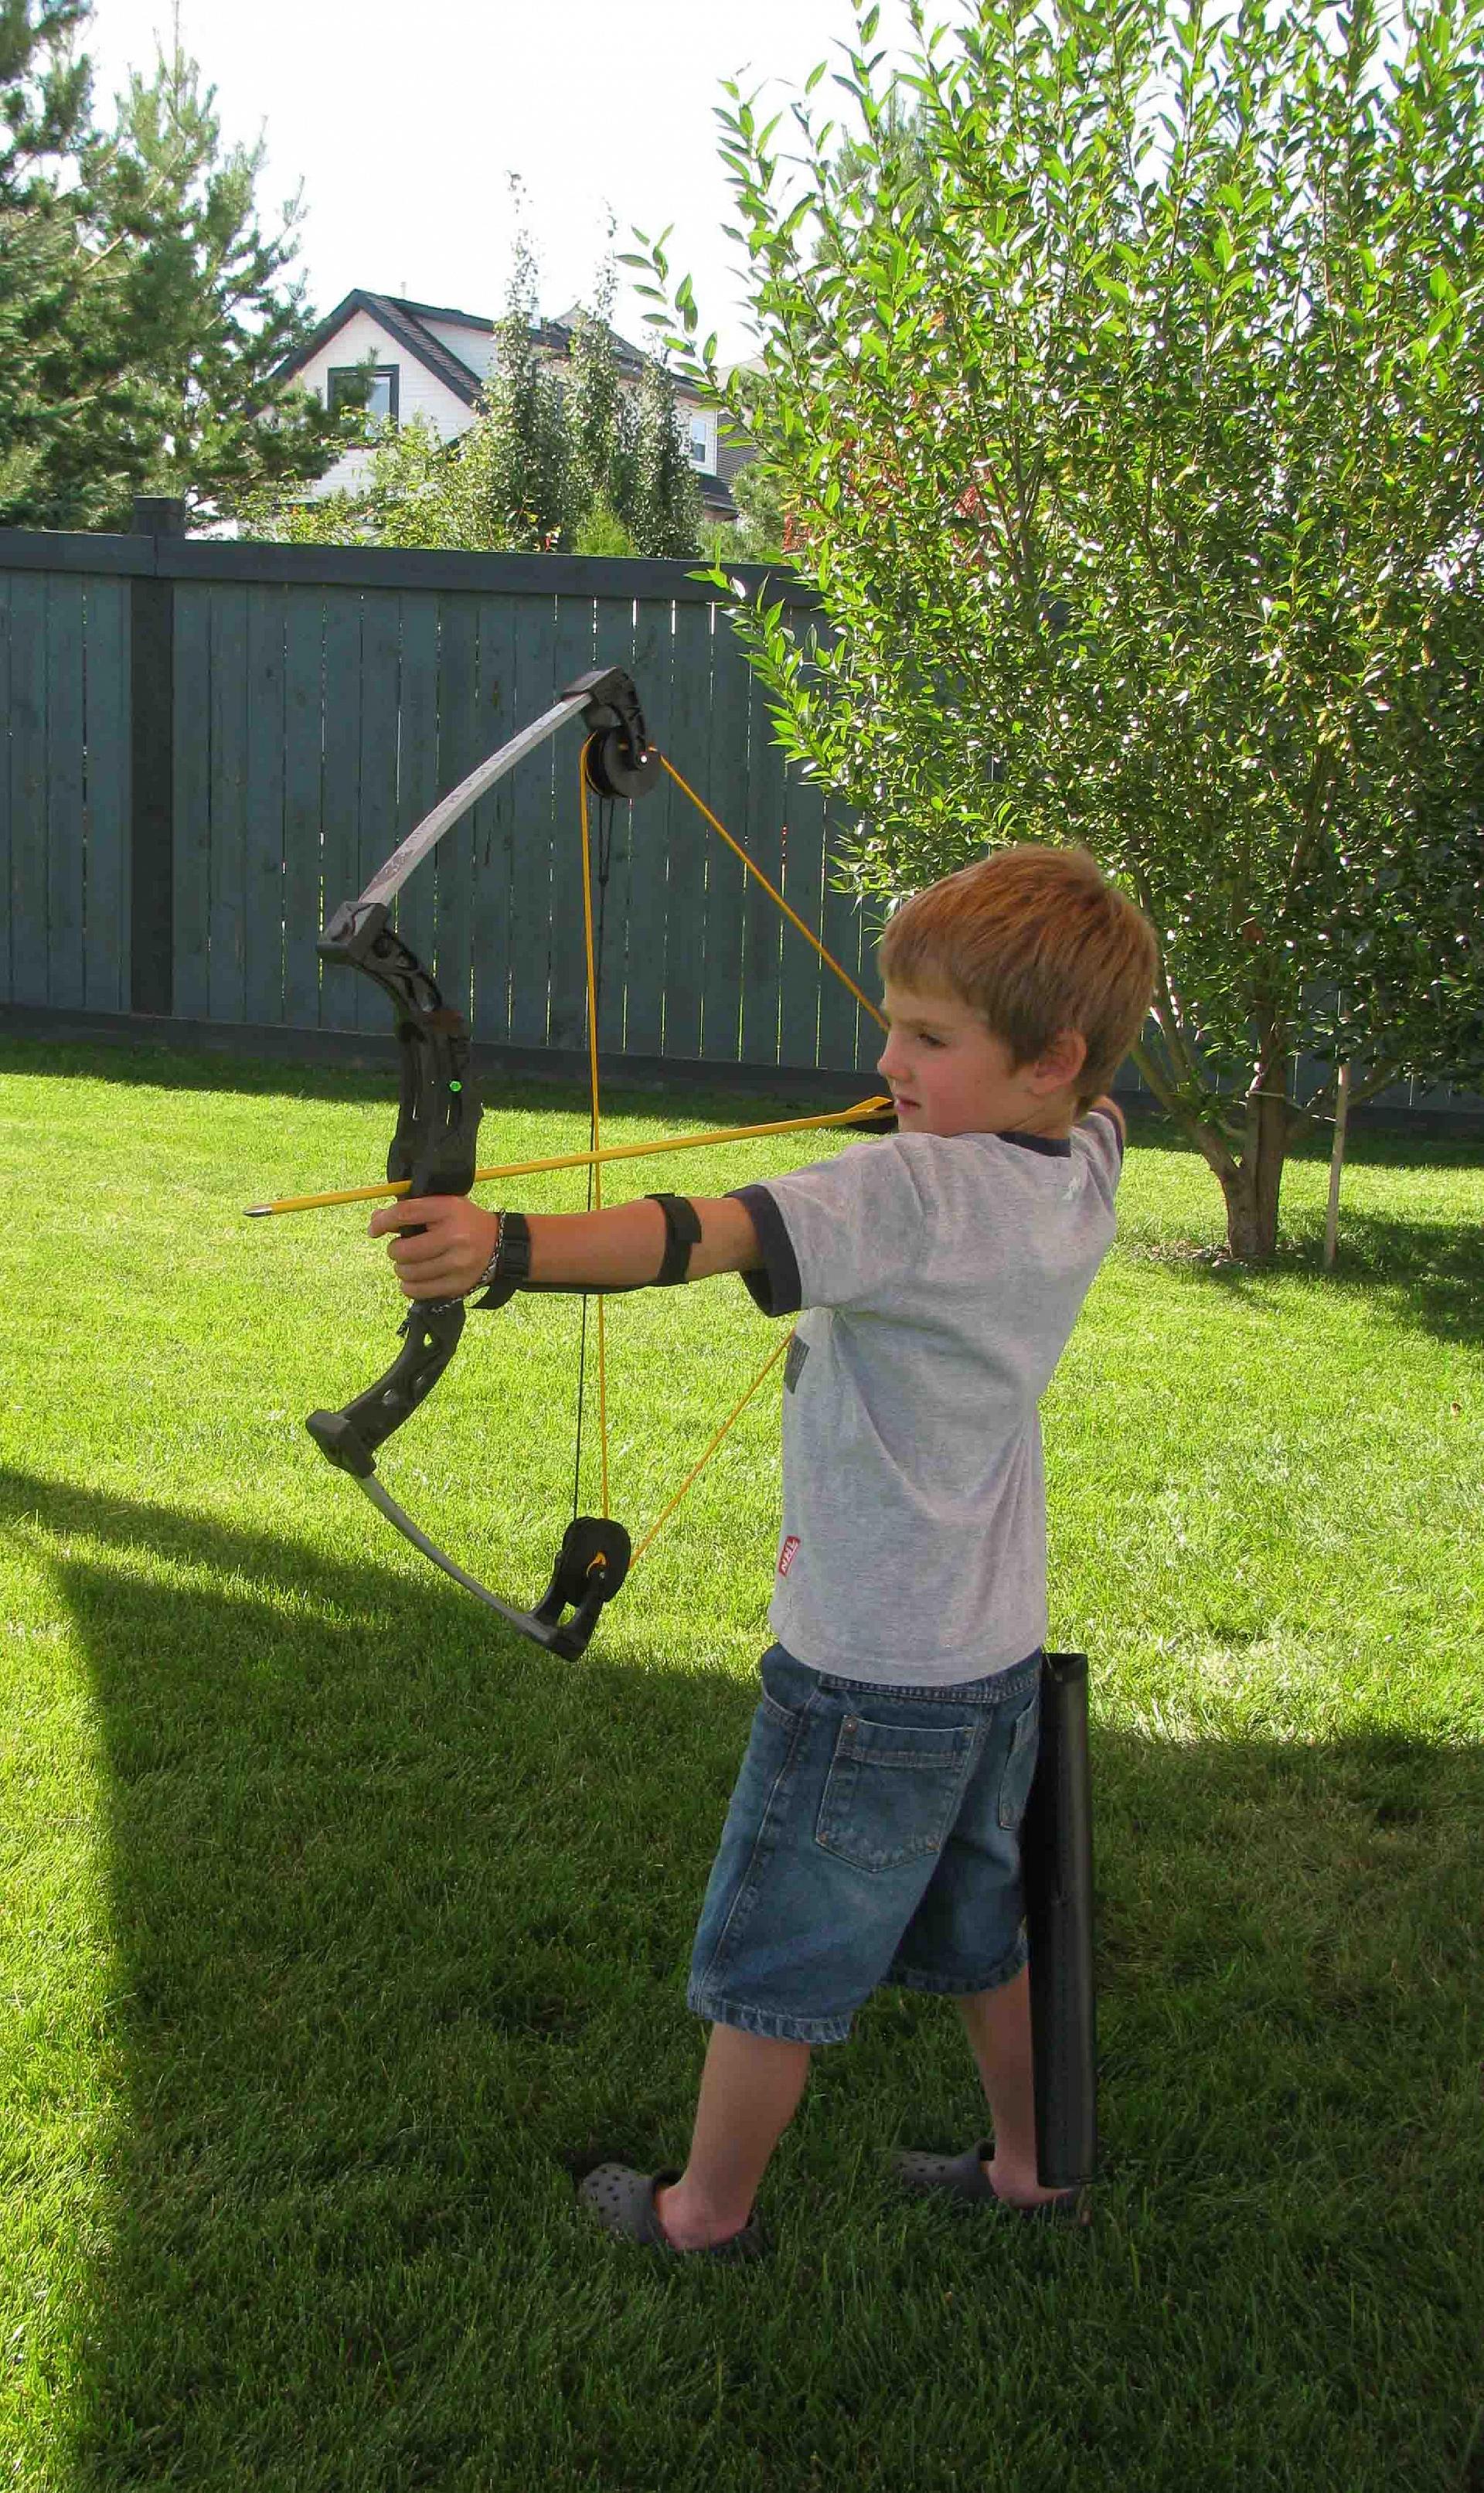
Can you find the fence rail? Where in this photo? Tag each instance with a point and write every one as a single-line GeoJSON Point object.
{"type": "Point", "coordinates": [210, 746]}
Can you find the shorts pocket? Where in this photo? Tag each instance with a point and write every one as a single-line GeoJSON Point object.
{"type": "Point", "coordinates": [1020, 1762]}
{"type": "Point", "coordinates": [893, 1791]}
{"type": "Point", "coordinates": [787, 1687]}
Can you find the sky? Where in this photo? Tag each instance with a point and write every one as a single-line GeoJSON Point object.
{"type": "Point", "coordinates": [403, 123]}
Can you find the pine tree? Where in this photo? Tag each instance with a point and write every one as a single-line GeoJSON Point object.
{"type": "Point", "coordinates": [45, 96]}
{"type": "Point", "coordinates": [143, 303]}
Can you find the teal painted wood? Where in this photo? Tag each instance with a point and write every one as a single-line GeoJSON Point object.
{"type": "Point", "coordinates": [613, 646]}
{"type": "Point", "coordinates": [106, 965]}
{"type": "Point", "coordinates": [690, 835]}
{"type": "Point", "coordinates": [848, 1037]}
{"type": "Point", "coordinates": [650, 834]}
{"type": "Point", "coordinates": [415, 766]}
{"type": "Point", "coordinates": [492, 827]}
{"type": "Point", "coordinates": [460, 745]}
{"type": "Point", "coordinates": [802, 976]}
{"type": "Point", "coordinates": [726, 880]}
{"type": "Point", "coordinates": [567, 1011]}
{"type": "Point", "coordinates": [313, 727]}
{"type": "Point", "coordinates": [304, 895]}
{"type": "Point", "coordinates": [533, 907]}
{"type": "Point", "coordinates": [30, 977]}
{"type": "Point", "coordinates": [66, 829]}
{"type": "Point", "coordinates": [850, 1040]}
{"type": "Point", "coordinates": [340, 1007]}
{"type": "Point", "coordinates": [763, 927]}
{"type": "Point", "coordinates": [191, 802]}
{"type": "Point", "coordinates": [396, 567]}
{"type": "Point", "coordinates": [263, 825]}
{"type": "Point", "coordinates": [377, 826]}
{"type": "Point", "coordinates": [226, 983]}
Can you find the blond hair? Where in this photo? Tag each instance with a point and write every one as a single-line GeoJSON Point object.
{"type": "Point", "coordinates": [1039, 942]}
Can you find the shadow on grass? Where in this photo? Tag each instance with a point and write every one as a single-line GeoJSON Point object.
{"type": "Point", "coordinates": [1426, 1275]}
{"type": "Point", "coordinates": [402, 1910]}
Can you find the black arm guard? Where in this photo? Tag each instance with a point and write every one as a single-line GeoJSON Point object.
{"type": "Point", "coordinates": [682, 1229]}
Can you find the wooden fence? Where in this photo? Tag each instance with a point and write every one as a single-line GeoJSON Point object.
{"type": "Point", "coordinates": [211, 745]}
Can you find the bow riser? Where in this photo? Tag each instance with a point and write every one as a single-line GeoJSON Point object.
{"type": "Point", "coordinates": [439, 1111]}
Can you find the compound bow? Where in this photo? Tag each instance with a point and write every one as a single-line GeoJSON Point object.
{"type": "Point", "coordinates": [432, 1151]}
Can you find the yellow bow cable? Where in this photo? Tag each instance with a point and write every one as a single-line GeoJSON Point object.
{"type": "Point", "coordinates": [868, 1107]}
{"type": "Point", "coordinates": [773, 892]}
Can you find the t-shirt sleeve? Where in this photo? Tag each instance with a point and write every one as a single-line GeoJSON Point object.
{"type": "Point", "coordinates": [839, 1234]}
{"type": "Point", "coordinates": [1098, 1138]}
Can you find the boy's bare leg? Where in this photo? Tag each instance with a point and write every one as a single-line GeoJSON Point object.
{"type": "Point", "coordinates": [750, 2089]}
{"type": "Point", "coordinates": [999, 2024]}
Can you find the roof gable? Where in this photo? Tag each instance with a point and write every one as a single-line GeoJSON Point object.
{"type": "Point", "coordinates": [399, 320]}
{"type": "Point", "coordinates": [404, 322]}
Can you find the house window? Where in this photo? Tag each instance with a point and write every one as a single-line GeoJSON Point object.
{"type": "Point", "coordinates": [346, 381]}
{"type": "Point", "coordinates": [702, 431]}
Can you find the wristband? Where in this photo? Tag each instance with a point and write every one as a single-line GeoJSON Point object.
{"type": "Point", "coordinates": [509, 1267]}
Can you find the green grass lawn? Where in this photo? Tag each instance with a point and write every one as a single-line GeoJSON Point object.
{"type": "Point", "coordinates": [342, 1929]}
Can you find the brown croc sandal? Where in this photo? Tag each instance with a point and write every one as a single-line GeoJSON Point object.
{"type": "Point", "coordinates": [623, 2203]}
{"type": "Point", "coordinates": [964, 2177]}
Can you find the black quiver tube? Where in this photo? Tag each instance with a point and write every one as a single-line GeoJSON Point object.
{"type": "Point", "coordinates": [1056, 1855]}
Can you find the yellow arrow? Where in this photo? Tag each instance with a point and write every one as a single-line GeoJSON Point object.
{"type": "Point", "coordinates": [862, 1110]}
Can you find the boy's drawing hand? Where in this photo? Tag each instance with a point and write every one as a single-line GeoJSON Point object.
{"type": "Point", "coordinates": [457, 1243]}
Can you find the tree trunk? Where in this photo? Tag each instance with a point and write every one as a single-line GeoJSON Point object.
{"type": "Point", "coordinates": [1252, 1186]}
{"type": "Point", "coordinates": [1336, 1164]}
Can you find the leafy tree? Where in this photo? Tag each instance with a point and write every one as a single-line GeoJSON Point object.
{"type": "Point", "coordinates": [761, 530]}
{"type": "Point", "coordinates": [601, 532]}
{"type": "Point", "coordinates": [1132, 425]}
{"type": "Point", "coordinates": [149, 303]}
{"type": "Point", "coordinates": [554, 461]}
{"type": "Point", "coordinates": [517, 458]}
{"type": "Point", "coordinates": [667, 499]}
{"type": "Point", "coordinates": [601, 429]}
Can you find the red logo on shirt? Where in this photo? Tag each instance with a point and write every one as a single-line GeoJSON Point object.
{"type": "Point", "coordinates": [789, 1552]}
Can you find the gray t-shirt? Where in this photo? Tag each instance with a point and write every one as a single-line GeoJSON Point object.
{"type": "Point", "coordinates": [939, 1276]}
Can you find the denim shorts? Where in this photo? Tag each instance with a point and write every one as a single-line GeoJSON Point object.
{"type": "Point", "coordinates": [874, 1836]}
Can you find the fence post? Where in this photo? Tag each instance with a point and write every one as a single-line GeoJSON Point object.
{"type": "Point", "coordinates": [152, 769]}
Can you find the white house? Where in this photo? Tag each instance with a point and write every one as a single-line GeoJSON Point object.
{"type": "Point", "coordinates": [432, 362]}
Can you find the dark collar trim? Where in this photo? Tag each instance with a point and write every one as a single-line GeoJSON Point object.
{"type": "Point", "coordinates": [1055, 1147]}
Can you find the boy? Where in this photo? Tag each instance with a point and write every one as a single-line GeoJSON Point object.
{"type": "Point", "coordinates": [873, 1831]}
